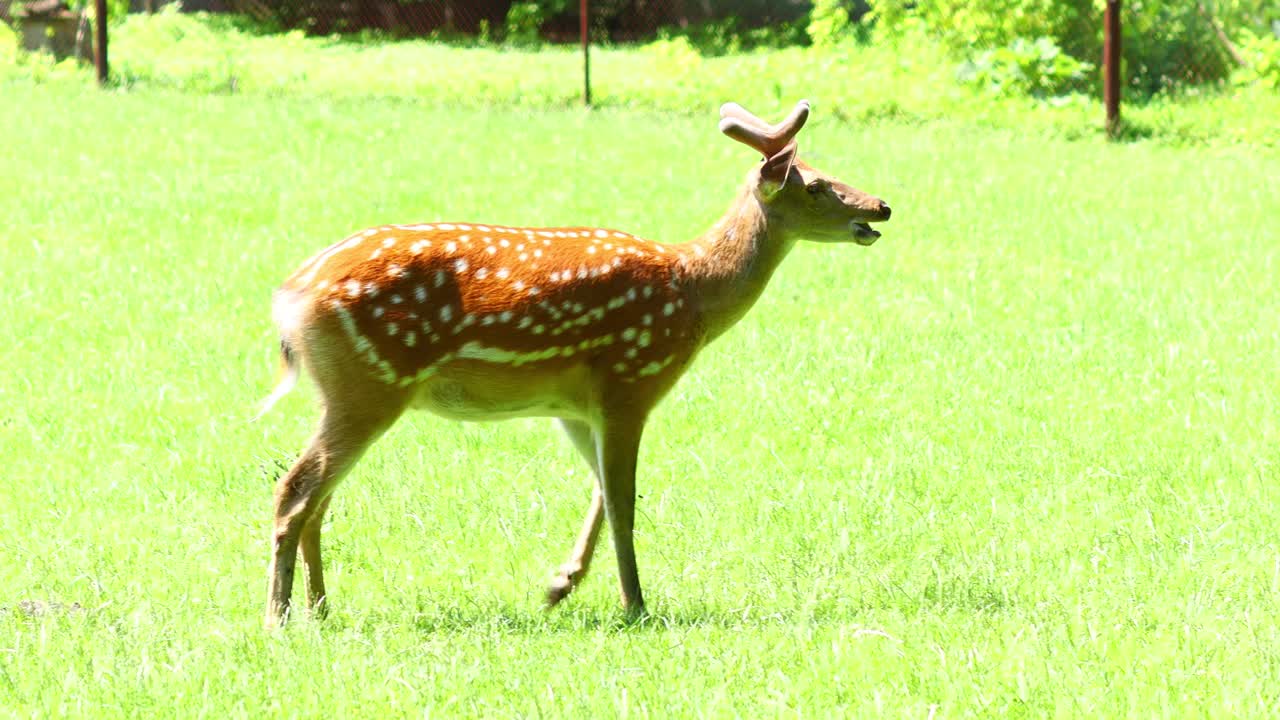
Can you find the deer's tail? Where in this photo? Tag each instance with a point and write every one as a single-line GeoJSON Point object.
{"type": "Point", "coordinates": [287, 310]}
{"type": "Point", "coordinates": [288, 378]}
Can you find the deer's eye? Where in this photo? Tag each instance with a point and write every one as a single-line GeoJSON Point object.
{"type": "Point", "coordinates": [813, 188]}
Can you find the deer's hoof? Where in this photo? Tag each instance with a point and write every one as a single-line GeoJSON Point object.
{"type": "Point", "coordinates": [560, 587]}
{"type": "Point", "coordinates": [634, 614]}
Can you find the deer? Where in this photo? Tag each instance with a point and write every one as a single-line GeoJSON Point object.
{"type": "Point", "coordinates": [477, 322]}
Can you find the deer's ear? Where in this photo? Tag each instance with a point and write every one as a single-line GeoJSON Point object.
{"type": "Point", "coordinates": [774, 171]}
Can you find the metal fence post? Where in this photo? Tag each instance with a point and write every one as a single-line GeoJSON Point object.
{"type": "Point", "coordinates": [100, 39]}
{"type": "Point", "coordinates": [586, 54]}
{"type": "Point", "coordinates": [1111, 61]}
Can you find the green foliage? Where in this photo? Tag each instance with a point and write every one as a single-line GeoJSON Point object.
{"type": "Point", "coordinates": [555, 7]}
{"type": "Point", "coordinates": [196, 52]}
{"type": "Point", "coordinates": [676, 55]}
{"type": "Point", "coordinates": [1039, 69]}
{"type": "Point", "coordinates": [728, 36]}
{"type": "Point", "coordinates": [969, 26]}
{"type": "Point", "coordinates": [307, 15]}
{"type": "Point", "coordinates": [911, 80]}
{"type": "Point", "coordinates": [116, 9]}
{"type": "Point", "coordinates": [829, 23]}
{"type": "Point", "coordinates": [1262, 52]}
{"type": "Point", "coordinates": [1167, 43]}
{"type": "Point", "coordinates": [1251, 16]}
{"type": "Point", "coordinates": [522, 23]}
{"type": "Point", "coordinates": [8, 44]}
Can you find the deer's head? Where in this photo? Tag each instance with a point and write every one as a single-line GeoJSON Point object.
{"type": "Point", "coordinates": [811, 204]}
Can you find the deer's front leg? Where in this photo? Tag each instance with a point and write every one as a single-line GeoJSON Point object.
{"type": "Point", "coordinates": [574, 570]}
{"type": "Point", "coordinates": [619, 445]}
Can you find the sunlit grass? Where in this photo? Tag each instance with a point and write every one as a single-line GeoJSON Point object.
{"type": "Point", "coordinates": [911, 81]}
{"type": "Point", "coordinates": [1018, 458]}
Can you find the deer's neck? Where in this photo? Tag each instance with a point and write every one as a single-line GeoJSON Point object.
{"type": "Point", "coordinates": [729, 265]}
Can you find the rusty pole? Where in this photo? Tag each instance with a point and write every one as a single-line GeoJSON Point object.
{"type": "Point", "coordinates": [100, 39]}
{"type": "Point", "coordinates": [1111, 66]}
{"type": "Point", "coordinates": [586, 54]}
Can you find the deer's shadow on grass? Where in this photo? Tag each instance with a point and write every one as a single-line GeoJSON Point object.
{"type": "Point", "coordinates": [453, 616]}
{"type": "Point", "coordinates": [522, 619]}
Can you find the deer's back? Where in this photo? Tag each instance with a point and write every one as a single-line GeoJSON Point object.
{"type": "Point", "coordinates": [489, 322]}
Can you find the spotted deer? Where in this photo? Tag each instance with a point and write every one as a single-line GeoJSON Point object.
{"type": "Point", "coordinates": [488, 322]}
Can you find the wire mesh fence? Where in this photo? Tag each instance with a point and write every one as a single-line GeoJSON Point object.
{"type": "Point", "coordinates": [152, 44]}
{"type": "Point", "coordinates": [346, 47]}
{"type": "Point", "coordinates": [167, 52]}
{"type": "Point", "coordinates": [550, 20]}
{"type": "Point", "coordinates": [547, 20]}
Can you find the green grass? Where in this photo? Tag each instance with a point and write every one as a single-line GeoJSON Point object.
{"type": "Point", "coordinates": [912, 82]}
{"type": "Point", "coordinates": [1018, 459]}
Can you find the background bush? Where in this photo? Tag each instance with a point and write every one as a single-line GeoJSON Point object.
{"type": "Point", "coordinates": [1263, 55]}
{"type": "Point", "coordinates": [1039, 69]}
{"type": "Point", "coordinates": [1167, 43]}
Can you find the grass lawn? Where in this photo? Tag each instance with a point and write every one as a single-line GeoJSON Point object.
{"type": "Point", "coordinates": [911, 82]}
{"type": "Point", "coordinates": [1017, 459]}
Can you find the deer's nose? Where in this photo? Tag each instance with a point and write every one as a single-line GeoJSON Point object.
{"type": "Point", "coordinates": [885, 210]}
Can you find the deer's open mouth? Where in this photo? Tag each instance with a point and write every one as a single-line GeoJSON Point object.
{"type": "Point", "coordinates": [863, 234]}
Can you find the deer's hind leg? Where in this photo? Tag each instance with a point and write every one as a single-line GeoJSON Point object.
{"type": "Point", "coordinates": [347, 429]}
{"type": "Point", "coordinates": [309, 544]}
